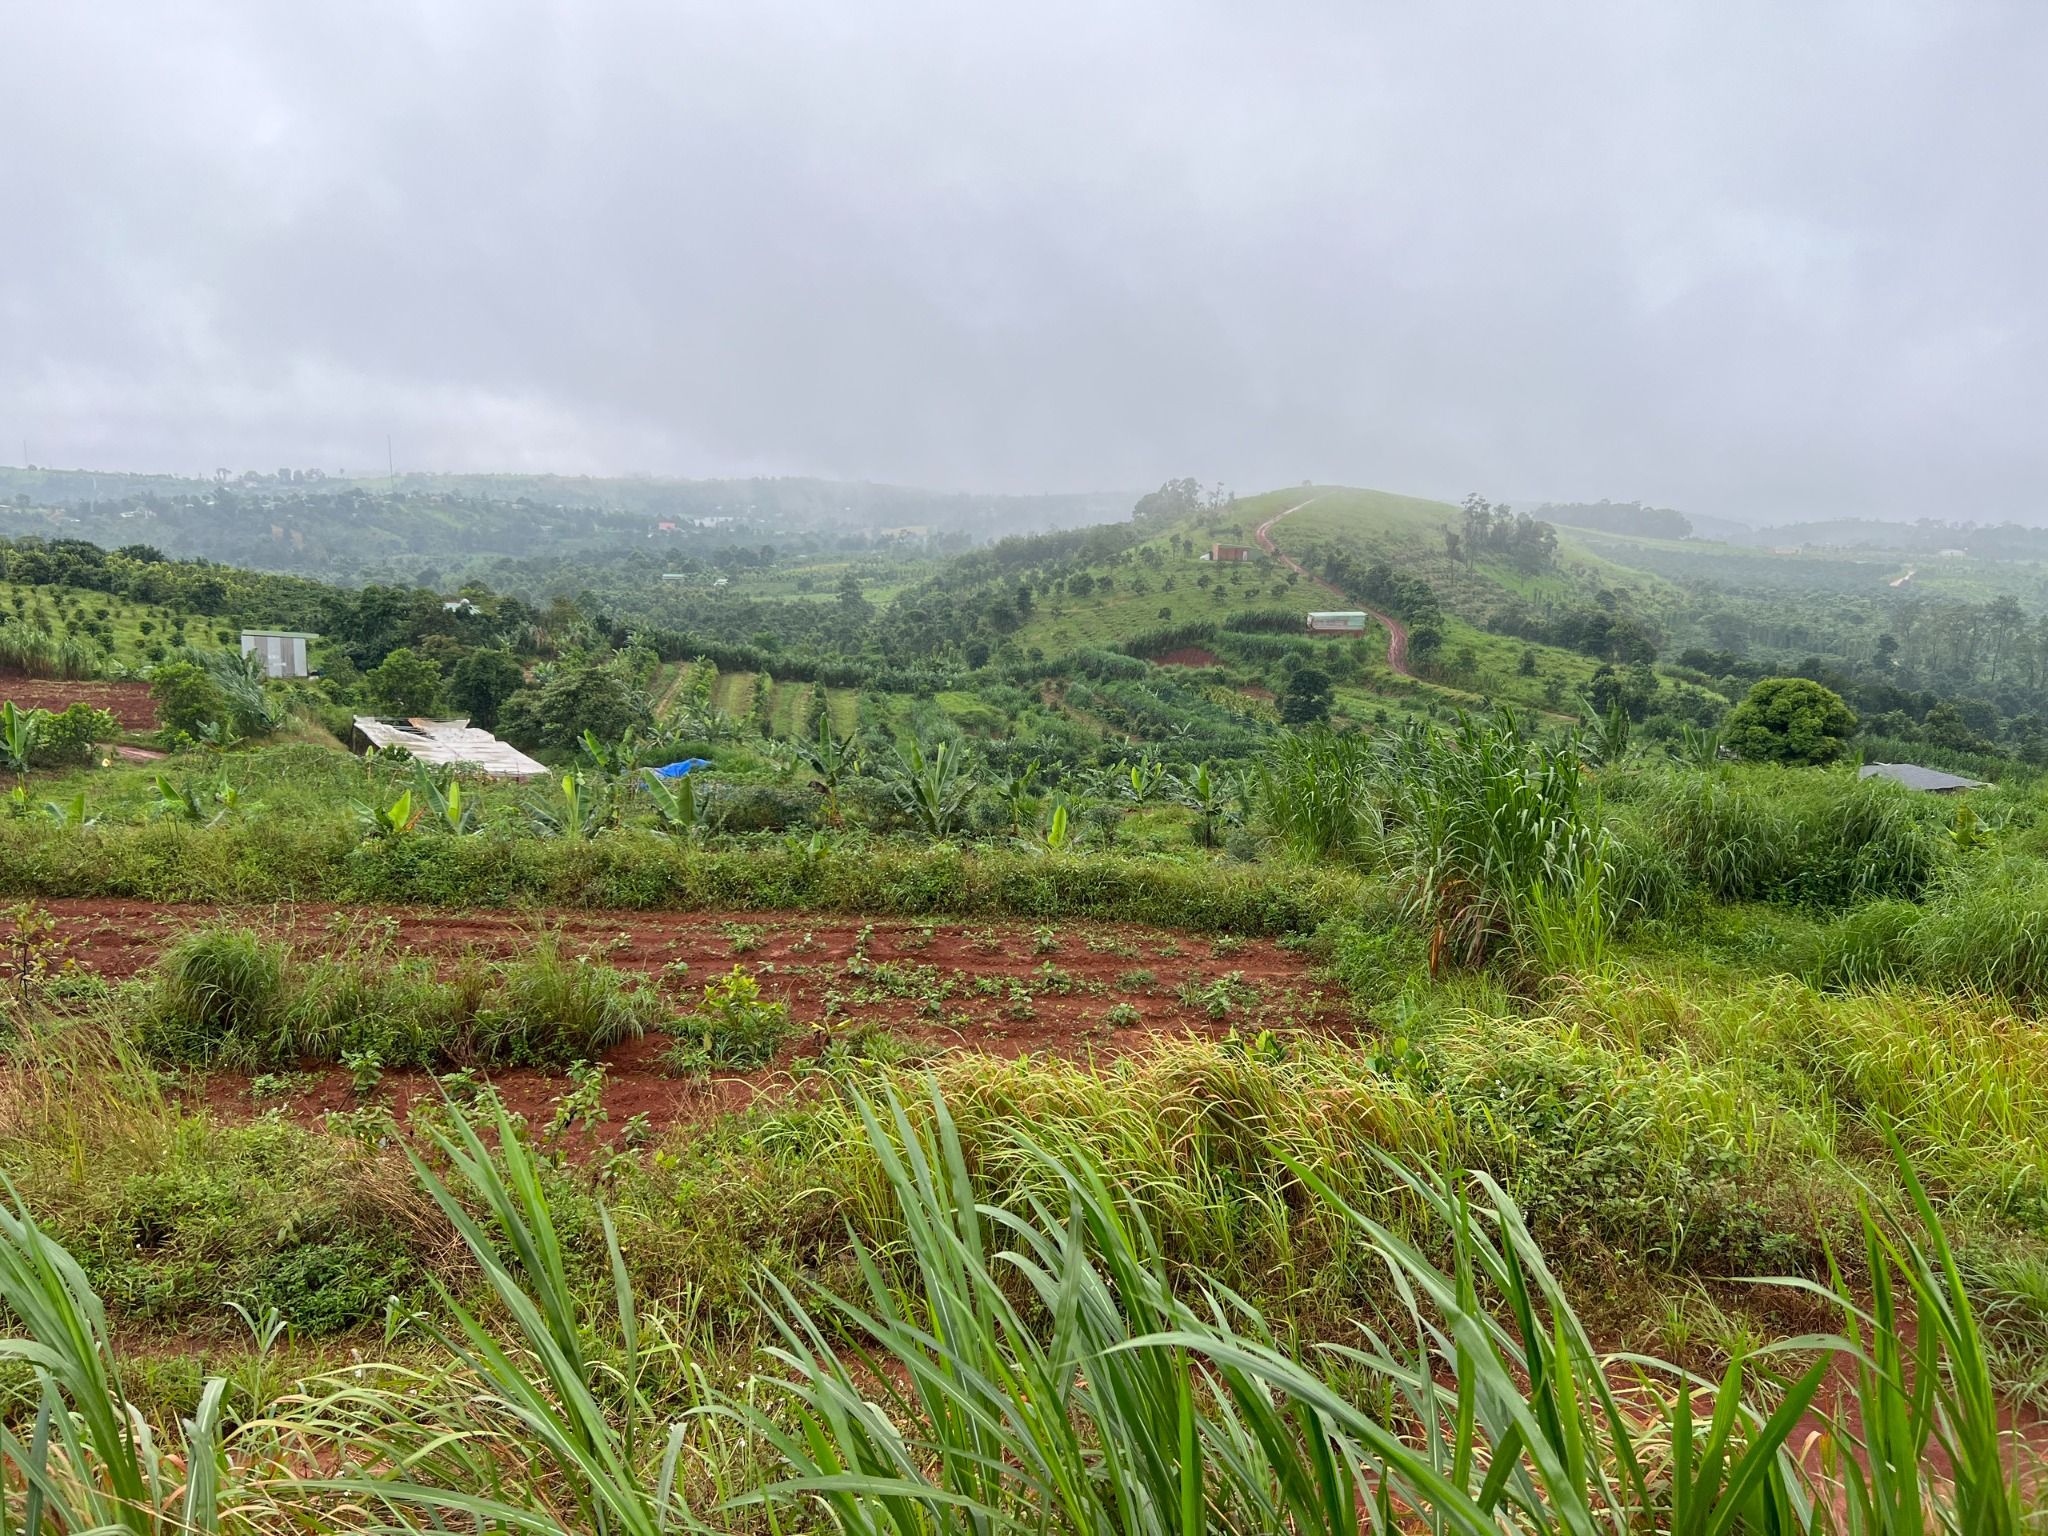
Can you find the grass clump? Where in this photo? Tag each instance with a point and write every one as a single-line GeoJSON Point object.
{"type": "Point", "coordinates": [230, 996]}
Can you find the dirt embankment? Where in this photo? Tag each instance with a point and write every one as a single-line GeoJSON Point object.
{"type": "Point", "coordinates": [1397, 632]}
{"type": "Point", "coordinates": [1006, 989]}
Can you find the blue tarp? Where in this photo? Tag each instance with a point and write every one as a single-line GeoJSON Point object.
{"type": "Point", "coordinates": [678, 770]}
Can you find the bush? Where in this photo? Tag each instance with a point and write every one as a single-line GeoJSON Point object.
{"type": "Point", "coordinates": [266, 859]}
{"type": "Point", "coordinates": [67, 737]}
{"type": "Point", "coordinates": [1818, 839]}
{"type": "Point", "coordinates": [735, 1027]}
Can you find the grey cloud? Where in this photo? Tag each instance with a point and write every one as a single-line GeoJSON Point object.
{"type": "Point", "coordinates": [1757, 260]}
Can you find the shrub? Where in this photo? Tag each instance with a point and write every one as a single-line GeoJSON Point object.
{"type": "Point", "coordinates": [67, 736]}
{"type": "Point", "coordinates": [735, 1027]}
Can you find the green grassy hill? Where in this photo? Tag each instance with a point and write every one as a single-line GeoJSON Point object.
{"type": "Point", "coordinates": [1162, 583]}
{"type": "Point", "coordinates": [120, 635]}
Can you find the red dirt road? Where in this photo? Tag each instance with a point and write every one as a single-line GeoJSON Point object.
{"type": "Point", "coordinates": [1397, 632]}
{"type": "Point", "coordinates": [128, 703]}
{"type": "Point", "coordinates": [1004, 989]}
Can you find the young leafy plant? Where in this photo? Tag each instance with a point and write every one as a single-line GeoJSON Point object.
{"type": "Point", "coordinates": [17, 737]}
{"type": "Point", "coordinates": [445, 809]}
{"type": "Point", "coordinates": [393, 820]}
{"type": "Point", "coordinates": [933, 788]}
{"type": "Point", "coordinates": [583, 810]}
{"type": "Point", "coordinates": [678, 806]}
{"type": "Point", "coordinates": [834, 760]}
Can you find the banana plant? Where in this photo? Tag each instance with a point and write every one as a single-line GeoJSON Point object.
{"type": "Point", "coordinates": [393, 820]}
{"type": "Point", "coordinates": [1205, 793]}
{"type": "Point", "coordinates": [807, 851]}
{"type": "Point", "coordinates": [1059, 834]}
{"type": "Point", "coordinates": [178, 802]}
{"type": "Point", "coordinates": [1697, 746]}
{"type": "Point", "coordinates": [1017, 788]}
{"type": "Point", "coordinates": [610, 758]}
{"type": "Point", "coordinates": [834, 760]}
{"type": "Point", "coordinates": [69, 813]}
{"type": "Point", "coordinates": [1142, 780]}
{"type": "Point", "coordinates": [17, 736]}
{"type": "Point", "coordinates": [681, 811]}
{"type": "Point", "coordinates": [584, 809]}
{"type": "Point", "coordinates": [446, 809]}
{"type": "Point", "coordinates": [1609, 733]}
{"type": "Point", "coordinates": [933, 788]}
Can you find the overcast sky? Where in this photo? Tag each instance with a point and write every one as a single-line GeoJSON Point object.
{"type": "Point", "coordinates": [1757, 260]}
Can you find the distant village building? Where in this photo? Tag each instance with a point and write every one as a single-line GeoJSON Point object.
{"type": "Point", "coordinates": [1913, 776]}
{"type": "Point", "coordinates": [1337, 623]}
{"type": "Point", "coordinates": [460, 605]}
{"type": "Point", "coordinates": [282, 651]}
{"type": "Point", "coordinates": [1229, 554]}
{"type": "Point", "coordinates": [665, 527]}
{"type": "Point", "coordinates": [450, 743]}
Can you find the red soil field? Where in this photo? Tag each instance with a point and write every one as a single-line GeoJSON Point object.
{"type": "Point", "coordinates": [1187, 656]}
{"type": "Point", "coordinates": [1000, 988]}
{"type": "Point", "coordinates": [128, 703]}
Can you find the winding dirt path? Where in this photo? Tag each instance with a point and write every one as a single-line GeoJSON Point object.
{"type": "Point", "coordinates": [1397, 632]}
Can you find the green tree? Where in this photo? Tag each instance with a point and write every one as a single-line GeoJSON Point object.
{"type": "Point", "coordinates": [404, 683]}
{"type": "Point", "coordinates": [187, 699]}
{"type": "Point", "coordinates": [483, 681]}
{"type": "Point", "coordinates": [1307, 698]}
{"type": "Point", "coordinates": [1790, 720]}
{"type": "Point", "coordinates": [579, 697]}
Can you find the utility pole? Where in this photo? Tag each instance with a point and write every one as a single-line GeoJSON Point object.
{"type": "Point", "coordinates": [390, 464]}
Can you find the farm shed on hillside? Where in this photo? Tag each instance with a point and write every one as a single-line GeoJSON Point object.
{"type": "Point", "coordinates": [1337, 623]}
{"type": "Point", "coordinates": [1229, 554]}
{"type": "Point", "coordinates": [450, 743]}
{"type": "Point", "coordinates": [282, 651]}
{"type": "Point", "coordinates": [1913, 776]}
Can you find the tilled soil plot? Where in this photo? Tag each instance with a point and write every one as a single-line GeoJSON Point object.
{"type": "Point", "coordinates": [1002, 988]}
{"type": "Point", "coordinates": [128, 703]}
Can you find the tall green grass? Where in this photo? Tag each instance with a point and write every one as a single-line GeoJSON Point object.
{"type": "Point", "coordinates": [1984, 929]}
{"type": "Point", "coordinates": [1490, 834]}
{"type": "Point", "coordinates": [1816, 837]}
{"type": "Point", "coordinates": [1035, 1366]}
{"type": "Point", "coordinates": [231, 996]}
{"type": "Point", "coordinates": [263, 858]}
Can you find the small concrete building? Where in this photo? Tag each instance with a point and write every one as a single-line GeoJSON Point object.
{"type": "Point", "coordinates": [1913, 776]}
{"type": "Point", "coordinates": [282, 651]}
{"type": "Point", "coordinates": [1338, 623]}
{"type": "Point", "coordinates": [1229, 554]}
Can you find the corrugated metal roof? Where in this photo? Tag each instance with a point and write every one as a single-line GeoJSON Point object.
{"type": "Point", "coordinates": [450, 742]}
{"type": "Point", "coordinates": [1913, 776]}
